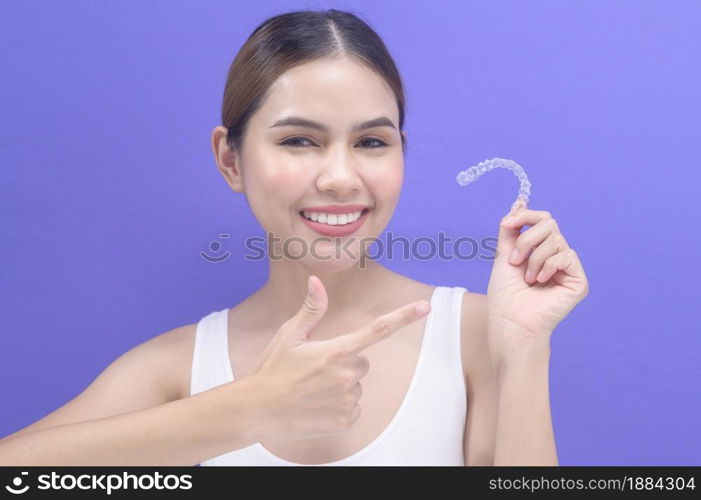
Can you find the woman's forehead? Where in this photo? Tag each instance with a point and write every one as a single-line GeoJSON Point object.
{"type": "Point", "coordinates": [320, 90]}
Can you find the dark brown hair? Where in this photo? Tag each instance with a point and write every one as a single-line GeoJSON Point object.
{"type": "Point", "coordinates": [286, 40]}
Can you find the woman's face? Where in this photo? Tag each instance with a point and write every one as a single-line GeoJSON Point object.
{"type": "Point", "coordinates": [287, 168]}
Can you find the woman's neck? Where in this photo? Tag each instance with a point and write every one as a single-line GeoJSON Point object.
{"type": "Point", "coordinates": [353, 289]}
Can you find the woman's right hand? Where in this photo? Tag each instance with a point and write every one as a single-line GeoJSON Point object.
{"type": "Point", "coordinates": [311, 388]}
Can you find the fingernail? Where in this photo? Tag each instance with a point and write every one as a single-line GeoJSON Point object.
{"type": "Point", "coordinates": [509, 219]}
{"type": "Point", "coordinates": [529, 275]}
{"type": "Point", "coordinates": [518, 204]}
{"type": "Point", "coordinates": [514, 255]}
{"type": "Point", "coordinates": [422, 308]}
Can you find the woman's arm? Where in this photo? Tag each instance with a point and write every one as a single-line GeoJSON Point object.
{"type": "Point", "coordinates": [508, 415]}
{"type": "Point", "coordinates": [182, 432]}
{"type": "Point", "coordinates": [536, 281]}
{"type": "Point", "coordinates": [524, 430]}
{"type": "Point", "coordinates": [480, 382]}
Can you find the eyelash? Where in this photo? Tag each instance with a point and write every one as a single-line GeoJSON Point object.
{"type": "Point", "coordinates": [290, 142]}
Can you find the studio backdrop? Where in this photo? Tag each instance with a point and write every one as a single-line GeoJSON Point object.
{"type": "Point", "coordinates": [116, 226]}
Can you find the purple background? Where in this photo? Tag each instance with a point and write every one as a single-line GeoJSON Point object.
{"type": "Point", "coordinates": [109, 190]}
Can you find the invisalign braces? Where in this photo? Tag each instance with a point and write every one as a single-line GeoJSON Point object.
{"type": "Point", "coordinates": [473, 173]}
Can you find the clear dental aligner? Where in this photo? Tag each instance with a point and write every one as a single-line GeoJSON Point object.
{"type": "Point", "coordinates": [467, 176]}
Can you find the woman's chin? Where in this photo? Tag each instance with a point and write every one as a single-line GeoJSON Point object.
{"type": "Point", "coordinates": [322, 254]}
{"type": "Point", "coordinates": [330, 263]}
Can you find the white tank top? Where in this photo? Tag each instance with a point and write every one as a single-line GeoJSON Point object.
{"type": "Point", "coordinates": [429, 425]}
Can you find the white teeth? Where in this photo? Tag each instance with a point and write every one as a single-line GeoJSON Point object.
{"type": "Point", "coordinates": [332, 219]}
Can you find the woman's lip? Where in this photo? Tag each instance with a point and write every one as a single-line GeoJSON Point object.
{"type": "Point", "coordinates": [337, 209]}
{"type": "Point", "coordinates": [332, 231]}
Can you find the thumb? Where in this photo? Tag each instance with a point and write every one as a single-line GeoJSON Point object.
{"type": "Point", "coordinates": [312, 310]}
{"type": "Point", "coordinates": [508, 234]}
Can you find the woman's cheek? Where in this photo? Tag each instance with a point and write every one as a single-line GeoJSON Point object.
{"type": "Point", "coordinates": [274, 176]}
{"type": "Point", "coordinates": [271, 195]}
{"type": "Point", "coordinates": [386, 185]}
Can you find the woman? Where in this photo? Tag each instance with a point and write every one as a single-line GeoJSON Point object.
{"type": "Point", "coordinates": [312, 135]}
{"type": "Point", "coordinates": [331, 68]}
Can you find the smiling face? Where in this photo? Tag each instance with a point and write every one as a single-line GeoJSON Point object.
{"type": "Point", "coordinates": [286, 166]}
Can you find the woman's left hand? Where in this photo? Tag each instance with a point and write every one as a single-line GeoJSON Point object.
{"type": "Point", "coordinates": [529, 295]}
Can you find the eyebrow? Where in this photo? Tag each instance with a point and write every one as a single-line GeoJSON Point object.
{"type": "Point", "coordinates": [303, 122]}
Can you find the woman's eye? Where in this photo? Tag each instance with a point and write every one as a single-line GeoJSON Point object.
{"type": "Point", "coordinates": [378, 143]}
{"type": "Point", "coordinates": [294, 141]}
{"type": "Point", "coordinates": [369, 143]}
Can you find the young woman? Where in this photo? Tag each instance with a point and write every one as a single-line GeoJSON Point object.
{"type": "Point", "coordinates": [312, 135]}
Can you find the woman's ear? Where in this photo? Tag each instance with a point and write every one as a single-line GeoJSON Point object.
{"type": "Point", "coordinates": [227, 159]}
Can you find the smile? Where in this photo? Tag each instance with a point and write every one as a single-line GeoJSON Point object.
{"type": "Point", "coordinates": [333, 219]}
{"type": "Point", "coordinates": [334, 224]}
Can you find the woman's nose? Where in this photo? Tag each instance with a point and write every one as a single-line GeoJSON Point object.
{"type": "Point", "coordinates": [339, 175]}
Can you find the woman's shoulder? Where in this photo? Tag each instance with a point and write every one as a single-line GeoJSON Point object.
{"type": "Point", "coordinates": [473, 319]}
{"type": "Point", "coordinates": [177, 347]}
{"type": "Point", "coordinates": [411, 287]}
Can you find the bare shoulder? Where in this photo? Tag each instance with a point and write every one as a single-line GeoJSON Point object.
{"type": "Point", "coordinates": [476, 361]}
{"type": "Point", "coordinates": [176, 355]}
{"type": "Point", "coordinates": [473, 331]}
{"type": "Point", "coordinates": [147, 375]}
{"type": "Point", "coordinates": [168, 359]}
{"type": "Point", "coordinates": [473, 319]}
{"type": "Point", "coordinates": [165, 360]}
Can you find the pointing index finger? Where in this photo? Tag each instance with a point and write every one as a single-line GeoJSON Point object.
{"type": "Point", "coordinates": [383, 326]}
